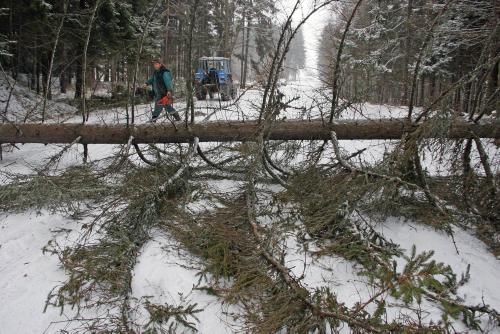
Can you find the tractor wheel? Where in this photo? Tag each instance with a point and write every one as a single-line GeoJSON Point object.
{"type": "Point", "coordinates": [200, 97]}
{"type": "Point", "coordinates": [197, 93]}
{"type": "Point", "coordinates": [201, 93]}
{"type": "Point", "coordinates": [224, 93]}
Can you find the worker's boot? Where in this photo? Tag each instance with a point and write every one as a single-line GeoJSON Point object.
{"type": "Point", "coordinates": [176, 116]}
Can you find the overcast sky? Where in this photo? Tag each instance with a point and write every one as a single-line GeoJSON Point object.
{"type": "Point", "coordinates": [312, 28]}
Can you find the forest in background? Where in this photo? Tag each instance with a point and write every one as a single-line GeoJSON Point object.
{"type": "Point", "coordinates": [116, 38]}
{"type": "Point", "coordinates": [434, 62]}
{"type": "Point", "coordinates": [441, 54]}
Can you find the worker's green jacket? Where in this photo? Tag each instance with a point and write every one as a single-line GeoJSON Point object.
{"type": "Point", "coordinates": [161, 81]}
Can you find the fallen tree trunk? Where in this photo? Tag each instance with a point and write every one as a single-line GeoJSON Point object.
{"type": "Point", "coordinates": [230, 131]}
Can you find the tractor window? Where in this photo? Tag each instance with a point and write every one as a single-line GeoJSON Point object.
{"type": "Point", "coordinates": [212, 64]}
{"type": "Point", "coordinates": [217, 64]}
{"type": "Point", "coordinates": [225, 65]}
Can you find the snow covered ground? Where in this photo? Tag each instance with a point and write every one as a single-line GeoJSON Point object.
{"type": "Point", "coordinates": [165, 273]}
{"type": "Point", "coordinates": [27, 274]}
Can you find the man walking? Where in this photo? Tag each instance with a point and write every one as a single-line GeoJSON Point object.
{"type": "Point", "coordinates": [161, 81]}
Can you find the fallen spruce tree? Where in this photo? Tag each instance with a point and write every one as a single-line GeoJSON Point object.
{"type": "Point", "coordinates": [236, 131]}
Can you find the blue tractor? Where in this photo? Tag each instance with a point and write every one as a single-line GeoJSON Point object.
{"type": "Point", "coordinates": [213, 75]}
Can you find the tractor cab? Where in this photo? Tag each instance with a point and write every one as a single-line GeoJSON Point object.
{"type": "Point", "coordinates": [213, 67]}
{"type": "Point", "coordinates": [214, 75]}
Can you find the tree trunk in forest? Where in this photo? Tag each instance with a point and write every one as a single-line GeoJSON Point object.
{"type": "Point", "coordinates": [432, 89]}
{"type": "Point", "coordinates": [85, 112]}
{"type": "Point", "coordinates": [113, 75]}
{"type": "Point", "coordinates": [492, 99]}
{"type": "Point", "coordinates": [336, 70]}
{"type": "Point", "coordinates": [37, 75]}
{"type": "Point", "coordinates": [247, 44]}
{"type": "Point", "coordinates": [45, 79]}
{"type": "Point", "coordinates": [242, 59]}
{"type": "Point", "coordinates": [457, 98]}
{"type": "Point", "coordinates": [32, 85]}
{"type": "Point", "coordinates": [466, 98]}
{"type": "Point", "coordinates": [226, 31]}
{"type": "Point", "coordinates": [167, 31]}
{"type": "Point", "coordinates": [189, 64]}
{"type": "Point", "coordinates": [138, 58]}
{"type": "Point", "coordinates": [50, 63]}
{"type": "Point", "coordinates": [408, 51]}
{"type": "Point", "coordinates": [229, 131]}
{"type": "Point", "coordinates": [421, 97]}
{"type": "Point", "coordinates": [78, 78]}
{"type": "Point", "coordinates": [63, 82]}
{"type": "Point", "coordinates": [14, 47]}
{"type": "Point", "coordinates": [63, 70]}
{"type": "Point", "coordinates": [106, 71]}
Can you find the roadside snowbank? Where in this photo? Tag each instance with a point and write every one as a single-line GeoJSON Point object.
{"type": "Point", "coordinates": [18, 104]}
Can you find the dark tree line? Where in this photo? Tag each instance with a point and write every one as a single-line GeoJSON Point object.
{"type": "Point", "coordinates": [109, 37]}
{"type": "Point", "coordinates": [33, 37]}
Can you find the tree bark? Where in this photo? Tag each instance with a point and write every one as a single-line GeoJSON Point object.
{"type": "Point", "coordinates": [47, 90]}
{"type": "Point", "coordinates": [85, 112]}
{"type": "Point", "coordinates": [420, 56]}
{"type": "Point", "coordinates": [242, 59]}
{"type": "Point", "coordinates": [138, 58]}
{"type": "Point", "coordinates": [78, 78]}
{"type": "Point", "coordinates": [493, 102]}
{"type": "Point", "coordinates": [336, 70]}
{"type": "Point", "coordinates": [408, 44]}
{"type": "Point", "coordinates": [229, 131]}
{"type": "Point", "coordinates": [189, 64]}
{"type": "Point", "coordinates": [63, 76]}
{"type": "Point", "coordinates": [247, 45]}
